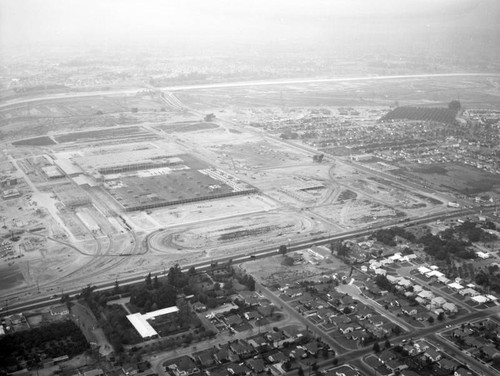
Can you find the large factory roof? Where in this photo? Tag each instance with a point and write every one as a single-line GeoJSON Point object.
{"type": "Point", "coordinates": [52, 172]}
{"type": "Point", "coordinates": [95, 162]}
{"type": "Point", "coordinates": [67, 166]}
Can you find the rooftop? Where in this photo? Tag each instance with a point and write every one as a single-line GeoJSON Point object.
{"type": "Point", "coordinates": [139, 321]}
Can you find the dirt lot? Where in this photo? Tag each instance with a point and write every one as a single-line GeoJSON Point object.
{"type": "Point", "coordinates": [271, 271]}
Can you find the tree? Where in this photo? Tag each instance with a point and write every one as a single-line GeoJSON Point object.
{"type": "Point", "coordinates": [87, 292]}
{"type": "Point", "coordinates": [66, 299]}
{"type": "Point", "coordinates": [496, 359]}
{"type": "Point", "coordinates": [300, 371]}
{"type": "Point", "coordinates": [149, 282]}
{"type": "Point", "coordinates": [455, 105]}
{"type": "Point", "coordinates": [287, 365]}
{"type": "Point", "coordinates": [282, 249]}
{"type": "Point", "coordinates": [287, 261]}
{"type": "Point", "coordinates": [441, 316]}
{"type": "Point", "coordinates": [376, 347]}
{"type": "Point", "coordinates": [251, 283]}
{"type": "Point", "coordinates": [339, 249]}
{"type": "Point", "coordinates": [387, 344]}
{"type": "Point", "coordinates": [430, 319]}
{"type": "Point", "coordinates": [116, 289]}
{"type": "Point", "coordinates": [209, 117]}
{"type": "Point", "coordinates": [314, 367]}
{"type": "Point", "coordinates": [156, 283]}
{"type": "Point", "coordinates": [176, 278]}
{"type": "Point", "coordinates": [383, 283]}
{"type": "Point", "coordinates": [324, 352]}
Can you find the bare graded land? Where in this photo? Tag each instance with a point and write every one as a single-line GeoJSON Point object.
{"type": "Point", "coordinates": [271, 271]}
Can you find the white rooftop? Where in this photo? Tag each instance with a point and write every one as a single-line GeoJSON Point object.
{"type": "Point", "coordinates": [480, 299]}
{"type": "Point", "coordinates": [140, 323]}
{"type": "Point", "coordinates": [456, 286]}
{"type": "Point", "coordinates": [67, 166]}
{"type": "Point", "coordinates": [434, 273]}
{"type": "Point", "coordinates": [95, 162]}
{"type": "Point", "coordinates": [160, 312]}
{"type": "Point", "coordinates": [423, 270]}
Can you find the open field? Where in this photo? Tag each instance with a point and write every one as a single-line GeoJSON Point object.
{"type": "Point", "coordinates": [270, 271]}
{"type": "Point", "coordinates": [80, 114]}
{"type": "Point", "coordinates": [10, 277]}
{"type": "Point", "coordinates": [36, 141]}
{"type": "Point", "coordinates": [459, 178]}
{"type": "Point", "coordinates": [186, 126]}
{"type": "Point", "coordinates": [107, 134]}
{"type": "Point", "coordinates": [437, 91]}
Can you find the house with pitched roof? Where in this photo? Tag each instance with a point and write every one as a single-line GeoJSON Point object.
{"type": "Point", "coordinates": [395, 366]}
{"type": "Point", "coordinates": [346, 328]}
{"type": "Point", "coordinates": [463, 372]}
{"type": "Point", "coordinates": [432, 354]}
{"type": "Point", "coordinates": [276, 357]}
{"type": "Point", "coordinates": [449, 307]}
{"type": "Point", "coordinates": [257, 365]}
{"type": "Point", "coordinates": [448, 364]}
{"type": "Point", "coordinates": [386, 355]}
{"type": "Point", "coordinates": [183, 366]}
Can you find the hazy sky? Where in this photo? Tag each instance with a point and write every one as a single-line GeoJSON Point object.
{"type": "Point", "coordinates": [232, 21]}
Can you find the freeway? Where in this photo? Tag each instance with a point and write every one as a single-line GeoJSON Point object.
{"type": "Point", "coordinates": [223, 85]}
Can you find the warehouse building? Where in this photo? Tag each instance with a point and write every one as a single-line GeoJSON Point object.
{"type": "Point", "coordinates": [68, 167]}
{"type": "Point", "coordinates": [52, 172]}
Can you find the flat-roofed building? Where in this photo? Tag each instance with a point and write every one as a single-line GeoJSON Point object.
{"type": "Point", "coordinates": [423, 270]}
{"type": "Point", "coordinates": [141, 324]}
{"type": "Point", "coordinates": [68, 167]}
{"type": "Point", "coordinates": [10, 193]}
{"type": "Point", "coordinates": [115, 163]}
{"type": "Point", "coordinates": [480, 299]}
{"type": "Point", "coordinates": [52, 172]}
{"type": "Point", "coordinates": [455, 286]}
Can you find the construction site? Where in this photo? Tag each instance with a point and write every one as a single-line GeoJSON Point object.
{"type": "Point", "coordinates": [95, 200]}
